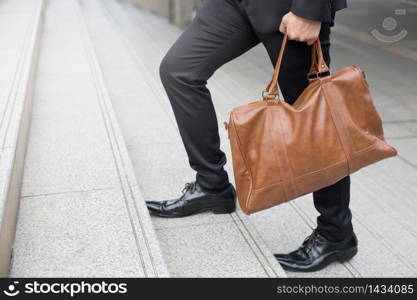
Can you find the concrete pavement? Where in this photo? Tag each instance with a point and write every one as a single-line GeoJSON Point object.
{"type": "Point", "coordinates": [81, 212]}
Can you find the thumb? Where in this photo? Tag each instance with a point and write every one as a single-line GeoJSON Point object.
{"type": "Point", "coordinates": [283, 27]}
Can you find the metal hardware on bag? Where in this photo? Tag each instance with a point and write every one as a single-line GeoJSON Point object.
{"type": "Point", "coordinates": [265, 95]}
{"type": "Point", "coordinates": [226, 126]}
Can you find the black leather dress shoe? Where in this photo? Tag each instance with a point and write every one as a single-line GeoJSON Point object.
{"type": "Point", "coordinates": [317, 252]}
{"type": "Point", "coordinates": [195, 200]}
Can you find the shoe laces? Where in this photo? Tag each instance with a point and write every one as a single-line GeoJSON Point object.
{"type": "Point", "coordinates": [309, 242]}
{"type": "Point", "coordinates": [191, 186]}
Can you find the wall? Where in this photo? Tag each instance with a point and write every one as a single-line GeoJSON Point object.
{"type": "Point", "coordinates": [179, 12]}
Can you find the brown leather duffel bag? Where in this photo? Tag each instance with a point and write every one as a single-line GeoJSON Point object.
{"type": "Point", "coordinates": [282, 151]}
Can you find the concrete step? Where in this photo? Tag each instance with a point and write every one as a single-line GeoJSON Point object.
{"type": "Point", "coordinates": [205, 245]}
{"type": "Point", "coordinates": [383, 195]}
{"type": "Point", "coordinates": [20, 31]}
{"type": "Point", "coordinates": [82, 213]}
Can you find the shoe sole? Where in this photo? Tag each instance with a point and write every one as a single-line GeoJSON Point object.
{"type": "Point", "coordinates": [215, 210]}
{"type": "Point", "coordinates": [339, 257]}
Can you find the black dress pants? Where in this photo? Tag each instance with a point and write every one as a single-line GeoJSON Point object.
{"type": "Point", "coordinates": [220, 32]}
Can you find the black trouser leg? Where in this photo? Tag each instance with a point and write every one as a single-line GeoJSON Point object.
{"type": "Point", "coordinates": [335, 220]}
{"type": "Point", "coordinates": [221, 32]}
{"type": "Point", "coordinates": [218, 34]}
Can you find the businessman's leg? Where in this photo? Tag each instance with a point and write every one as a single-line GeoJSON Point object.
{"type": "Point", "coordinates": [333, 237]}
{"type": "Point", "coordinates": [219, 33]}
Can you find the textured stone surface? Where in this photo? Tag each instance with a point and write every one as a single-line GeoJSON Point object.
{"type": "Point", "coordinates": [66, 155]}
{"type": "Point", "coordinates": [82, 234]}
{"type": "Point", "coordinates": [209, 250]}
{"type": "Point", "coordinates": [82, 212]}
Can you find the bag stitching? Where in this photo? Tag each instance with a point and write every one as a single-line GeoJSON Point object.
{"type": "Point", "coordinates": [244, 160]}
{"type": "Point", "coordinates": [336, 127]}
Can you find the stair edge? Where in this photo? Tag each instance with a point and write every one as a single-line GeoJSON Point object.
{"type": "Point", "coordinates": [156, 266]}
{"type": "Point", "coordinates": [13, 156]}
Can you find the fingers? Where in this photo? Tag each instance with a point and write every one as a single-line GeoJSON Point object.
{"type": "Point", "coordinates": [283, 26]}
{"type": "Point", "coordinates": [311, 41]}
{"type": "Point", "coordinates": [297, 36]}
{"type": "Point", "coordinates": [299, 29]}
{"type": "Point", "coordinates": [293, 35]}
{"type": "Point", "coordinates": [301, 37]}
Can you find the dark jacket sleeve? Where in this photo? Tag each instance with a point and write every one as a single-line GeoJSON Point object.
{"type": "Point", "coordinates": [316, 10]}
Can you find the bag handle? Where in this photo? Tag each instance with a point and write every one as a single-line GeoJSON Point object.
{"type": "Point", "coordinates": [318, 65]}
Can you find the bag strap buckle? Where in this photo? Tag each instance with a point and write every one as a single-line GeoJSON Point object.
{"type": "Point", "coordinates": [318, 75]}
